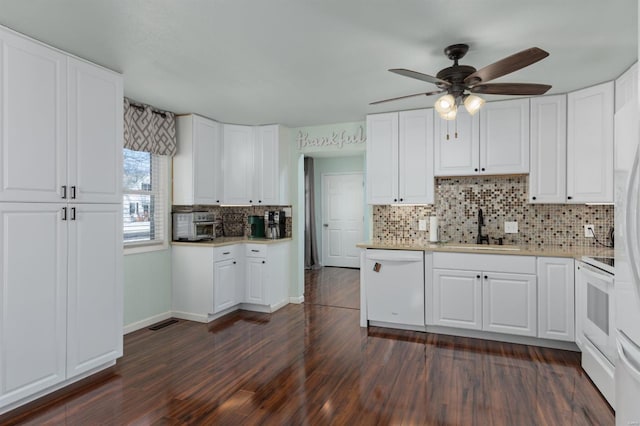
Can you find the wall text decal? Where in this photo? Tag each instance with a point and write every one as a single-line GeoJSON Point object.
{"type": "Point", "coordinates": [338, 139]}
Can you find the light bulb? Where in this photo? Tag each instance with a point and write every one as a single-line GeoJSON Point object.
{"type": "Point", "coordinates": [451, 115]}
{"type": "Point", "coordinates": [445, 104]}
{"type": "Point", "coordinates": [472, 104]}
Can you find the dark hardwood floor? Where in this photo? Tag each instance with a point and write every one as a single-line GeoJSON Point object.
{"type": "Point", "coordinates": [312, 364]}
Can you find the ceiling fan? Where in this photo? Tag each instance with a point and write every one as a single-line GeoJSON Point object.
{"type": "Point", "coordinates": [457, 80]}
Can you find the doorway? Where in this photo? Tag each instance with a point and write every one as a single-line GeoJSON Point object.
{"type": "Point", "coordinates": [342, 218]}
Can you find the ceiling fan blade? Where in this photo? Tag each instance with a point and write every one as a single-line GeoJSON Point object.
{"type": "Point", "coordinates": [408, 96]}
{"type": "Point", "coordinates": [420, 76]}
{"type": "Point", "coordinates": [511, 88]}
{"type": "Point", "coordinates": [506, 65]}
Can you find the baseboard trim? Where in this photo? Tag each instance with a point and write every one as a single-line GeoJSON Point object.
{"type": "Point", "coordinates": [297, 300]}
{"type": "Point", "coordinates": [138, 325]}
{"type": "Point", "coordinates": [190, 317]}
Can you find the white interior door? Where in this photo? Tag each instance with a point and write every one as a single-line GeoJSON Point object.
{"type": "Point", "coordinates": [342, 218]}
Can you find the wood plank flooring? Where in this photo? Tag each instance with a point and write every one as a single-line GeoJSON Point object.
{"type": "Point", "coordinates": [312, 364]}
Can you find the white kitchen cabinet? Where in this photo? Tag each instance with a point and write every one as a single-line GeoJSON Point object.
{"type": "Point", "coordinates": [504, 137]}
{"type": "Point", "coordinates": [33, 154]}
{"type": "Point", "coordinates": [33, 299]}
{"type": "Point", "coordinates": [256, 269]}
{"type": "Point", "coordinates": [62, 262]}
{"type": "Point", "coordinates": [225, 282]}
{"type": "Point", "coordinates": [95, 274]}
{"type": "Point", "coordinates": [192, 282]}
{"type": "Point", "coordinates": [254, 167]}
{"type": "Point", "coordinates": [556, 305]}
{"type": "Point", "coordinates": [457, 145]}
{"type": "Point", "coordinates": [626, 87]}
{"type": "Point", "coordinates": [237, 142]}
{"type": "Point", "coordinates": [457, 298]}
{"type": "Point", "coordinates": [548, 168]}
{"type": "Point", "coordinates": [590, 145]}
{"type": "Point", "coordinates": [197, 165]}
{"type": "Point", "coordinates": [485, 292]}
{"type": "Point", "coordinates": [400, 157]}
{"type": "Point", "coordinates": [509, 303]}
{"type": "Point", "coordinates": [266, 281]}
{"type": "Point", "coordinates": [494, 141]}
{"type": "Point", "coordinates": [95, 113]}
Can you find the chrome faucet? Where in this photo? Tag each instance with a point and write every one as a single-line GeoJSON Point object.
{"type": "Point", "coordinates": [481, 238]}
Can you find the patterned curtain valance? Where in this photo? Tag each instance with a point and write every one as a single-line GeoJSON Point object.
{"type": "Point", "coordinates": [148, 129]}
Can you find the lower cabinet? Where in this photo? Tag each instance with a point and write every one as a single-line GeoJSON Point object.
{"type": "Point", "coordinates": [509, 303]}
{"type": "Point", "coordinates": [556, 299]}
{"type": "Point", "coordinates": [457, 299]}
{"type": "Point", "coordinates": [60, 294]}
{"type": "Point", "coordinates": [210, 280]}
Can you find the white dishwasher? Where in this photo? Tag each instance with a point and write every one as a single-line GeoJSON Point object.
{"type": "Point", "coordinates": [394, 285]}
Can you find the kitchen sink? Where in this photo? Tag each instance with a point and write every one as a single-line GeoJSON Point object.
{"type": "Point", "coordinates": [482, 247]}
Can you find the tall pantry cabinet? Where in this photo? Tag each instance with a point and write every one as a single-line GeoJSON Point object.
{"type": "Point", "coordinates": [61, 219]}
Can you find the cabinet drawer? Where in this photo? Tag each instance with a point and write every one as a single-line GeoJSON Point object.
{"type": "Point", "coordinates": [255, 250]}
{"type": "Point", "coordinates": [225, 252]}
{"type": "Point", "coordinates": [485, 262]}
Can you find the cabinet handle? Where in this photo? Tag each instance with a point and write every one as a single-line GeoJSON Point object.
{"type": "Point", "coordinates": [226, 252]}
{"type": "Point", "coordinates": [477, 276]}
{"type": "Point", "coordinates": [64, 191]}
{"type": "Point", "coordinates": [73, 192]}
{"type": "Point", "coordinates": [255, 251]}
{"type": "Point", "coordinates": [73, 213]}
{"type": "Point", "coordinates": [64, 213]}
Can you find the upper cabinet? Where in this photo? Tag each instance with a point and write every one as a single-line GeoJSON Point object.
{"type": "Point", "coordinates": [62, 126]}
{"type": "Point", "coordinates": [547, 178]}
{"type": "Point", "coordinates": [496, 141]}
{"type": "Point", "coordinates": [627, 87]}
{"type": "Point", "coordinates": [590, 145]}
{"type": "Point", "coordinates": [254, 165]}
{"type": "Point", "coordinates": [400, 157]}
{"type": "Point", "coordinates": [197, 172]}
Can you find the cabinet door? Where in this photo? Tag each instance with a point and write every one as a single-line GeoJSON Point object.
{"type": "Point", "coordinates": [237, 142]}
{"type": "Point", "coordinates": [626, 87]}
{"type": "Point", "coordinates": [33, 141]}
{"type": "Point", "coordinates": [207, 161]}
{"type": "Point", "coordinates": [382, 158]}
{"type": "Point", "coordinates": [33, 298]}
{"type": "Point", "coordinates": [266, 179]}
{"type": "Point", "coordinates": [415, 156]}
{"type": "Point", "coordinates": [255, 281]}
{"type": "Point", "coordinates": [95, 309]}
{"type": "Point", "coordinates": [556, 316]}
{"type": "Point", "coordinates": [224, 285]}
{"type": "Point", "coordinates": [504, 137]}
{"type": "Point", "coordinates": [95, 134]}
{"type": "Point", "coordinates": [548, 168]}
{"type": "Point", "coordinates": [509, 303]}
{"type": "Point", "coordinates": [590, 145]}
{"type": "Point", "coordinates": [457, 299]}
{"type": "Point", "coordinates": [457, 145]}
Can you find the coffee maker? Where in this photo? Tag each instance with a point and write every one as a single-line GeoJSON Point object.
{"type": "Point", "coordinates": [257, 226]}
{"type": "Point", "coordinates": [275, 224]}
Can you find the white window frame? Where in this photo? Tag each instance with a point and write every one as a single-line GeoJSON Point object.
{"type": "Point", "coordinates": [156, 245]}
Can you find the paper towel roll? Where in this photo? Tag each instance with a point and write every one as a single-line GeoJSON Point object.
{"type": "Point", "coordinates": [433, 229]}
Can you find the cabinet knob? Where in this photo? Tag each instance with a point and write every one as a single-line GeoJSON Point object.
{"type": "Point", "coordinates": [569, 197]}
{"type": "Point", "coordinates": [259, 201]}
{"type": "Point", "coordinates": [395, 200]}
{"type": "Point", "coordinates": [218, 201]}
{"type": "Point", "coordinates": [477, 276]}
{"type": "Point", "coordinates": [264, 261]}
{"type": "Point", "coordinates": [475, 170]}
{"type": "Point", "coordinates": [251, 201]}
{"type": "Point", "coordinates": [533, 198]}
{"type": "Point", "coordinates": [401, 199]}
{"type": "Point", "coordinates": [483, 169]}
{"type": "Point", "coordinates": [486, 277]}
{"type": "Point", "coordinates": [234, 262]}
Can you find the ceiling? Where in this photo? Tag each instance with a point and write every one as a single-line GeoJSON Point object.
{"type": "Point", "coordinates": [311, 62]}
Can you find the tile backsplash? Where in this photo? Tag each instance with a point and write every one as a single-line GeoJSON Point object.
{"type": "Point", "coordinates": [235, 220]}
{"type": "Point", "coordinates": [501, 198]}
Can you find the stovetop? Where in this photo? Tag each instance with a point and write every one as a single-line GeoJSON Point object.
{"type": "Point", "coordinates": [605, 263]}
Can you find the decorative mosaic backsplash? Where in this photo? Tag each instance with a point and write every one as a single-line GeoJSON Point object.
{"type": "Point", "coordinates": [501, 198]}
{"type": "Point", "coordinates": [235, 220]}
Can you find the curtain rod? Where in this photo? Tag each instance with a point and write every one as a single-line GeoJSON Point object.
{"type": "Point", "coordinates": [162, 114]}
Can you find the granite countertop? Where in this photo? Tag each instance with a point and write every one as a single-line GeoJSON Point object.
{"type": "Point", "coordinates": [227, 241]}
{"type": "Point", "coordinates": [518, 250]}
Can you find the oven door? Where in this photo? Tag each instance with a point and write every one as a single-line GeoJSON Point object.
{"type": "Point", "coordinates": [597, 310]}
{"type": "Point", "coordinates": [204, 230]}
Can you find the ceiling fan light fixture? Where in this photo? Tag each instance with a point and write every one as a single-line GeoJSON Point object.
{"type": "Point", "coordinates": [445, 104]}
{"type": "Point", "coordinates": [473, 103]}
{"type": "Point", "coordinates": [451, 115]}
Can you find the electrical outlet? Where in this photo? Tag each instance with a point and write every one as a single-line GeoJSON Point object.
{"type": "Point", "coordinates": [422, 225]}
{"type": "Point", "coordinates": [589, 231]}
{"type": "Point", "coordinates": [511, 227]}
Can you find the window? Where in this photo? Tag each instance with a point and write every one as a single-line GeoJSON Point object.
{"type": "Point", "coordinates": [144, 198]}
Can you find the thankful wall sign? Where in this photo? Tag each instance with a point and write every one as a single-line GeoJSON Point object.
{"type": "Point", "coordinates": [337, 139]}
